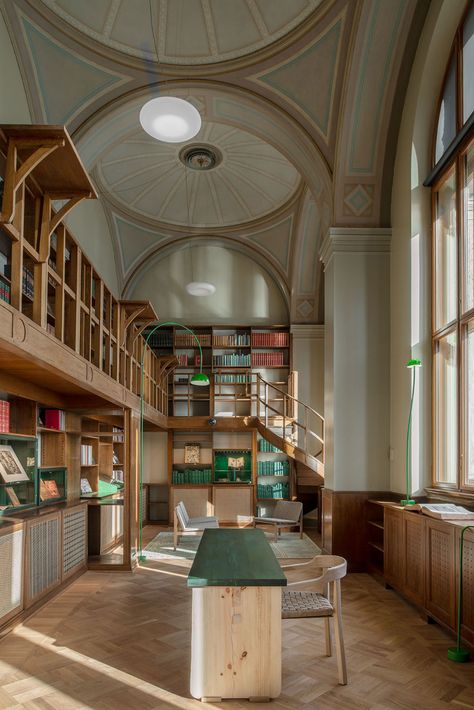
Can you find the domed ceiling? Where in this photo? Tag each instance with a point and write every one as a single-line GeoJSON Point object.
{"type": "Point", "coordinates": [296, 103]}
{"type": "Point", "coordinates": [250, 178]}
{"type": "Point", "coordinates": [184, 31]}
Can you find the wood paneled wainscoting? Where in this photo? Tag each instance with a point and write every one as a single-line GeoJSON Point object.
{"type": "Point", "coordinates": [344, 528]}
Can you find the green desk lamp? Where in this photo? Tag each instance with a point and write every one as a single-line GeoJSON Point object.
{"type": "Point", "coordinates": [412, 365]}
{"type": "Point", "coordinates": [200, 379]}
{"type": "Point", "coordinates": [458, 654]}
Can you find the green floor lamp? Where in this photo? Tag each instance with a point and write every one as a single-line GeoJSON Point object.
{"type": "Point", "coordinates": [458, 654]}
{"type": "Point", "coordinates": [200, 379]}
{"type": "Point", "coordinates": [412, 365]}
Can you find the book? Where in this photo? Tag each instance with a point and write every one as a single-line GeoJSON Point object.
{"type": "Point", "coordinates": [54, 419]}
{"type": "Point", "coordinates": [12, 495]}
{"type": "Point", "coordinates": [49, 489]}
{"type": "Point", "coordinates": [442, 511]}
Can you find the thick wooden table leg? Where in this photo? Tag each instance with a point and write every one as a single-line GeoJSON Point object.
{"type": "Point", "coordinates": [236, 642]}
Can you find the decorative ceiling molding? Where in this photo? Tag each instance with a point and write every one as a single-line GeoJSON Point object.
{"type": "Point", "coordinates": [307, 80]}
{"type": "Point", "coordinates": [52, 67]}
{"type": "Point", "coordinates": [307, 332]}
{"type": "Point", "coordinates": [185, 32]}
{"type": "Point", "coordinates": [355, 240]}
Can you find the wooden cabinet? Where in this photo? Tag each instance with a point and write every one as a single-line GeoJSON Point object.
{"type": "Point", "coordinates": [440, 571]}
{"type": "Point", "coordinates": [233, 504]}
{"type": "Point", "coordinates": [394, 548]}
{"type": "Point", "coordinates": [12, 551]}
{"type": "Point", "coordinates": [467, 625]}
{"type": "Point", "coordinates": [414, 558]}
{"type": "Point", "coordinates": [43, 556]}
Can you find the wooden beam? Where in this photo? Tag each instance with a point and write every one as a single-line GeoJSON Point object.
{"type": "Point", "coordinates": [22, 388]}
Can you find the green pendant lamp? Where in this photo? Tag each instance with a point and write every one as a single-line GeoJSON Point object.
{"type": "Point", "coordinates": [200, 379]}
{"type": "Point", "coordinates": [412, 365]}
{"type": "Point", "coordinates": [458, 654]}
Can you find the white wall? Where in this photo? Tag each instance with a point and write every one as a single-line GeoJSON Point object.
{"type": "Point", "coordinates": [308, 361]}
{"type": "Point", "coordinates": [411, 238]}
{"type": "Point", "coordinates": [357, 367]}
{"type": "Point", "coordinates": [13, 103]}
{"type": "Point", "coordinates": [245, 292]}
{"type": "Point", "coordinates": [89, 227]}
{"type": "Point", "coordinates": [155, 461]}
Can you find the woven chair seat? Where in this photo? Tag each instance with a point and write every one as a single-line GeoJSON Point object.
{"type": "Point", "coordinates": [300, 604]}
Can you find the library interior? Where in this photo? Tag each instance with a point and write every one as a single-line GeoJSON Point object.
{"type": "Point", "coordinates": [236, 354]}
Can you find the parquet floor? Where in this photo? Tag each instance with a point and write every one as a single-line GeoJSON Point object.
{"type": "Point", "coordinates": [120, 641]}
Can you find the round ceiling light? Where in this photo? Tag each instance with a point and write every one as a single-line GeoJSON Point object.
{"type": "Point", "coordinates": [200, 288]}
{"type": "Point", "coordinates": [170, 119]}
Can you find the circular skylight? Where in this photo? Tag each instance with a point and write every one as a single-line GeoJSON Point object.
{"type": "Point", "coordinates": [170, 119]}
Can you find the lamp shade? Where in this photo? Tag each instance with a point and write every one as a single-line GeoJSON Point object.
{"type": "Point", "coordinates": [170, 119]}
{"type": "Point", "coordinates": [200, 379]}
{"type": "Point", "coordinates": [413, 363]}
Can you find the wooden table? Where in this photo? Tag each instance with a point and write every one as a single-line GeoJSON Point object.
{"type": "Point", "coordinates": [236, 618]}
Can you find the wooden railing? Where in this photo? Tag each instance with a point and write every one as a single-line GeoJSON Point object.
{"type": "Point", "coordinates": [293, 421]}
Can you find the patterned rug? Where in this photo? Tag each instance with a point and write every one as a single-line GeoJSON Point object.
{"type": "Point", "coordinates": [289, 546]}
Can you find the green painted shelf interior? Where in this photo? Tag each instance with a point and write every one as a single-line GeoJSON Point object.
{"type": "Point", "coordinates": [225, 468]}
{"type": "Point", "coordinates": [25, 491]}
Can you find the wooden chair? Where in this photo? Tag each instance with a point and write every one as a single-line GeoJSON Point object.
{"type": "Point", "coordinates": [325, 571]}
{"type": "Point", "coordinates": [286, 514]}
{"type": "Point", "coordinates": [187, 524]}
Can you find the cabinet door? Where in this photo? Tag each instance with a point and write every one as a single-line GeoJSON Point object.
{"type": "Point", "coordinates": [440, 588]}
{"type": "Point", "coordinates": [394, 548]}
{"type": "Point", "coordinates": [74, 540]}
{"type": "Point", "coordinates": [43, 561]}
{"type": "Point", "coordinates": [414, 586]}
{"type": "Point", "coordinates": [11, 570]}
{"type": "Point", "coordinates": [467, 618]}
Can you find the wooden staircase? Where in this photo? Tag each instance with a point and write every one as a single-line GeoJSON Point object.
{"type": "Point", "coordinates": [293, 427]}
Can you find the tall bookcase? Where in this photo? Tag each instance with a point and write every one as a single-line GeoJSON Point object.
{"type": "Point", "coordinates": [230, 354]}
{"type": "Point", "coordinates": [273, 476]}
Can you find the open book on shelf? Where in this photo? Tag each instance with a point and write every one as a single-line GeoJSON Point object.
{"type": "Point", "coordinates": [443, 511]}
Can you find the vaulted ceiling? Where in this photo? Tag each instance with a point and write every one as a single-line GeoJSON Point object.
{"type": "Point", "coordinates": [299, 101]}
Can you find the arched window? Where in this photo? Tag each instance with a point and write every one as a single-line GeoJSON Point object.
{"type": "Point", "coordinates": [452, 181]}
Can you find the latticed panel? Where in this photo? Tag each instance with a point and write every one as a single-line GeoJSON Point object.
{"type": "Point", "coordinates": [144, 503]}
{"type": "Point", "coordinates": [415, 557]}
{"type": "Point", "coordinates": [11, 562]}
{"type": "Point", "coordinates": [468, 583]}
{"type": "Point", "coordinates": [232, 505]}
{"type": "Point", "coordinates": [74, 539]}
{"type": "Point", "coordinates": [43, 552]}
{"type": "Point", "coordinates": [441, 561]}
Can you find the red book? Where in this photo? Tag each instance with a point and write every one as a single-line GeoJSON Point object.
{"type": "Point", "coordinates": [4, 415]}
{"type": "Point", "coordinates": [53, 419]}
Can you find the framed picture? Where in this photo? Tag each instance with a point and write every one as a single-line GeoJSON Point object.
{"type": "Point", "coordinates": [11, 469]}
{"type": "Point", "coordinates": [192, 453]}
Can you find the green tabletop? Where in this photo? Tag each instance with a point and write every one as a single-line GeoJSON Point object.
{"type": "Point", "coordinates": [235, 558]}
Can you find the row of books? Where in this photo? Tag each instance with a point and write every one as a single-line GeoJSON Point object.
{"type": "Point", "coordinates": [273, 468]}
{"type": "Point", "coordinates": [27, 283]}
{"type": "Point", "coordinates": [231, 360]}
{"type": "Point", "coordinates": [5, 291]}
{"type": "Point", "coordinates": [4, 415]}
{"type": "Point", "coordinates": [184, 360]}
{"type": "Point", "coordinates": [270, 340]}
{"type": "Point", "coordinates": [239, 378]}
{"type": "Point", "coordinates": [187, 340]}
{"type": "Point", "coordinates": [225, 341]}
{"type": "Point", "coordinates": [87, 455]}
{"type": "Point", "coordinates": [273, 359]}
{"type": "Point", "coordinates": [275, 490]}
{"type": "Point", "coordinates": [161, 339]}
{"type": "Point", "coordinates": [264, 445]}
{"type": "Point", "coordinates": [192, 475]}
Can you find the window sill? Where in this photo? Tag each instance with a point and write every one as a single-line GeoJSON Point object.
{"type": "Point", "coordinates": [466, 497]}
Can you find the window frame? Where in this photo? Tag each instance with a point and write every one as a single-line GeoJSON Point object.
{"type": "Point", "coordinates": [452, 159]}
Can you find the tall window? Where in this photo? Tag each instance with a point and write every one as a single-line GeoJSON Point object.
{"type": "Point", "coordinates": [453, 269]}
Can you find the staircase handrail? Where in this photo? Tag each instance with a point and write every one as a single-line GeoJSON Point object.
{"type": "Point", "coordinates": [306, 408]}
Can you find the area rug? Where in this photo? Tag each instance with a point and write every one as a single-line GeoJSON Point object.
{"type": "Point", "coordinates": [289, 546]}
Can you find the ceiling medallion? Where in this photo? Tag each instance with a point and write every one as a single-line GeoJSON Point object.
{"type": "Point", "coordinates": [200, 157]}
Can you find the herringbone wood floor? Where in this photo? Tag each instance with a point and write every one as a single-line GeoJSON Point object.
{"type": "Point", "coordinates": [120, 641]}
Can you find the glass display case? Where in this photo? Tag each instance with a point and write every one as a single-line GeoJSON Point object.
{"type": "Point", "coordinates": [52, 486]}
{"type": "Point", "coordinates": [17, 472]}
{"type": "Point", "coordinates": [232, 465]}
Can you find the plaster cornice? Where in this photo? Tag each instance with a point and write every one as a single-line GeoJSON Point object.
{"type": "Point", "coordinates": [355, 240]}
{"type": "Point", "coordinates": [307, 332]}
